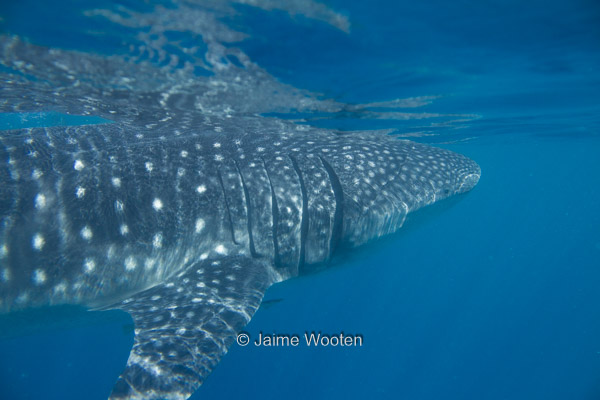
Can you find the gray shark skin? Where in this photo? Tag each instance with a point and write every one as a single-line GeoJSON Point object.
{"type": "Point", "coordinates": [186, 232]}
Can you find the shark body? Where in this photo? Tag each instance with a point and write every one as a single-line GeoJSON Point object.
{"type": "Point", "coordinates": [187, 232]}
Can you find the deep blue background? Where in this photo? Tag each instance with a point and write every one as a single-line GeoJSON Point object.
{"type": "Point", "coordinates": [496, 296]}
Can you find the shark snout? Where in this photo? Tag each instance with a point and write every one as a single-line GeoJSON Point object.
{"type": "Point", "coordinates": [469, 177]}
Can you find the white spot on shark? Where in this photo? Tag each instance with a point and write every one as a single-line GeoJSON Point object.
{"type": "Point", "coordinates": [5, 275]}
{"type": "Point", "coordinates": [110, 252]}
{"type": "Point", "coordinates": [60, 289]}
{"type": "Point", "coordinates": [149, 166]}
{"type": "Point", "coordinates": [89, 265]}
{"type": "Point", "coordinates": [40, 201]}
{"type": "Point", "coordinates": [157, 241]}
{"type": "Point", "coordinates": [80, 192]}
{"type": "Point", "coordinates": [130, 263]}
{"type": "Point", "coordinates": [149, 263]}
{"type": "Point", "coordinates": [39, 277]}
{"type": "Point", "coordinates": [78, 165]}
{"type": "Point", "coordinates": [124, 229]}
{"type": "Point", "coordinates": [220, 249]}
{"type": "Point", "coordinates": [38, 242]}
{"type": "Point", "coordinates": [157, 204]}
{"type": "Point", "coordinates": [199, 225]}
{"type": "Point", "coordinates": [86, 233]}
{"type": "Point", "coordinates": [201, 189]}
{"type": "Point", "coordinates": [116, 182]}
{"type": "Point", "coordinates": [22, 298]}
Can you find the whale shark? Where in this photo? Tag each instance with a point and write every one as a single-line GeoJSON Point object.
{"type": "Point", "coordinates": [168, 193]}
{"type": "Point", "coordinates": [187, 233]}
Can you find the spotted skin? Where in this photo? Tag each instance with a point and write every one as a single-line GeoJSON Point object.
{"type": "Point", "coordinates": [199, 224]}
{"type": "Point", "coordinates": [186, 207]}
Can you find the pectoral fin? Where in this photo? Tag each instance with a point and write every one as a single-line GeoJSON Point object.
{"type": "Point", "coordinates": [186, 324]}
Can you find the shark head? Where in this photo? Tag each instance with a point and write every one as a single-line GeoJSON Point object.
{"type": "Point", "coordinates": [380, 181]}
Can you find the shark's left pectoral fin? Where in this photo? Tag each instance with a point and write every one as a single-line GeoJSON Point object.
{"type": "Point", "coordinates": [185, 325]}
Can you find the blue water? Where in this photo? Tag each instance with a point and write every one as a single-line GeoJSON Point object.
{"type": "Point", "coordinates": [495, 296]}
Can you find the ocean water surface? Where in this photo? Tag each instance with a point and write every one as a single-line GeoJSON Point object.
{"type": "Point", "coordinates": [494, 295]}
